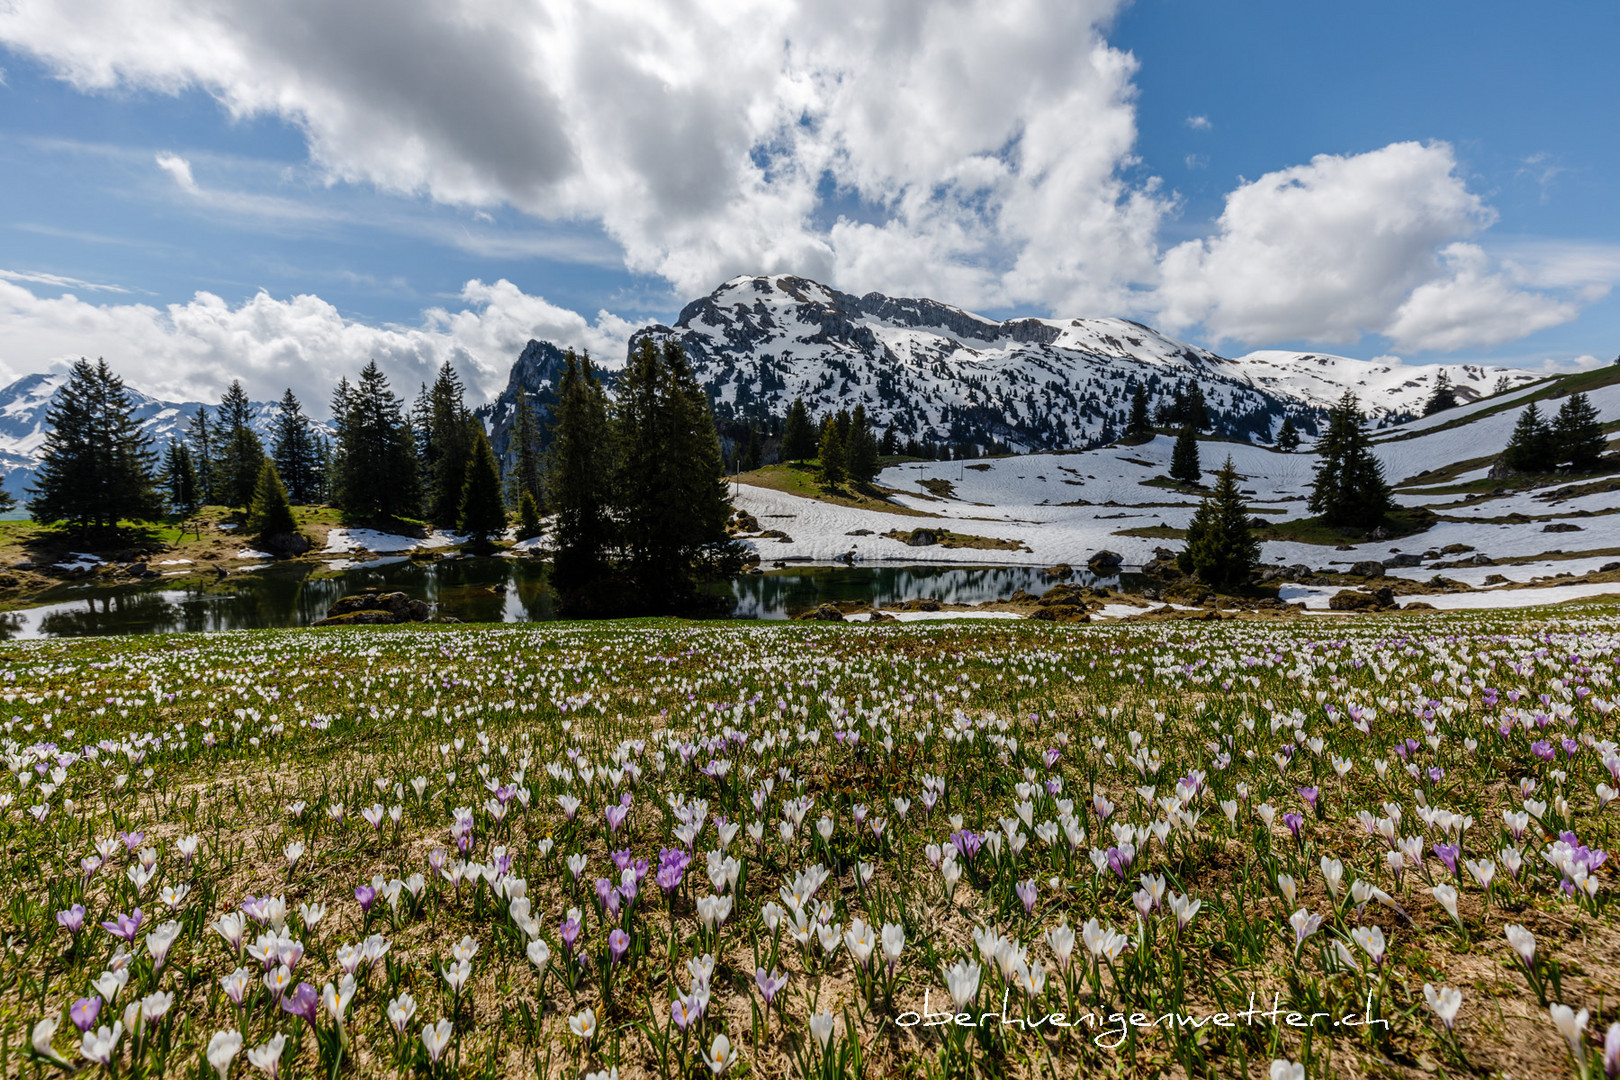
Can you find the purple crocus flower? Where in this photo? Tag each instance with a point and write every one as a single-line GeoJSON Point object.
{"type": "Point", "coordinates": [71, 920]}
{"type": "Point", "coordinates": [1026, 895]}
{"type": "Point", "coordinates": [1120, 861]}
{"type": "Point", "coordinates": [1295, 821]}
{"type": "Point", "coordinates": [769, 985]}
{"type": "Point", "coordinates": [303, 1001]}
{"type": "Point", "coordinates": [1447, 853]}
{"type": "Point", "coordinates": [618, 944]}
{"type": "Point", "coordinates": [84, 1012]}
{"type": "Point", "coordinates": [1309, 794]}
{"type": "Point", "coordinates": [570, 934]}
{"type": "Point", "coordinates": [615, 817]}
{"type": "Point", "coordinates": [367, 896]}
{"type": "Point", "coordinates": [125, 926]}
{"type": "Point", "coordinates": [132, 840]}
{"type": "Point", "coordinates": [621, 859]}
{"type": "Point", "coordinates": [967, 843]}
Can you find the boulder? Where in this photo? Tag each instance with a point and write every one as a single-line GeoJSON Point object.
{"type": "Point", "coordinates": [823, 613]}
{"type": "Point", "coordinates": [286, 543]}
{"type": "Point", "coordinates": [1368, 568]}
{"type": "Point", "coordinates": [1403, 559]}
{"type": "Point", "coordinates": [359, 618]}
{"type": "Point", "coordinates": [1105, 562]}
{"type": "Point", "coordinates": [1062, 595]}
{"type": "Point", "coordinates": [1358, 600]}
{"type": "Point", "coordinates": [1419, 605]}
{"type": "Point", "coordinates": [1067, 613]}
{"type": "Point", "coordinates": [1480, 559]}
{"type": "Point", "coordinates": [1608, 567]}
{"type": "Point", "coordinates": [1560, 527]}
{"type": "Point", "coordinates": [391, 607]}
{"type": "Point", "coordinates": [1061, 572]}
{"type": "Point", "coordinates": [1456, 549]}
{"type": "Point", "coordinates": [859, 532]}
{"type": "Point", "coordinates": [922, 538]}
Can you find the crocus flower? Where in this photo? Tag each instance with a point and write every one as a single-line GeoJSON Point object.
{"type": "Point", "coordinates": [719, 1055]}
{"type": "Point", "coordinates": [367, 896]}
{"type": "Point", "coordinates": [1445, 1002]}
{"type": "Point", "coordinates": [266, 1057]}
{"type": "Point", "coordinates": [222, 1050]}
{"type": "Point", "coordinates": [83, 1012]}
{"type": "Point", "coordinates": [769, 984]}
{"type": "Point", "coordinates": [618, 944]}
{"type": "Point", "coordinates": [71, 920]}
{"type": "Point", "coordinates": [124, 926]}
{"type": "Point", "coordinates": [1026, 895]}
{"type": "Point", "coordinates": [303, 1001]}
{"type": "Point", "coordinates": [435, 1037]}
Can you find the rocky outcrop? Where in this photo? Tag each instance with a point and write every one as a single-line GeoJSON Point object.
{"type": "Point", "coordinates": [376, 608]}
{"type": "Point", "coordinates": [822, 613]}
{"type": "Point", "coordinates": [1382, 599]}
{"type": "Point", "coordinates": [1105, 562]}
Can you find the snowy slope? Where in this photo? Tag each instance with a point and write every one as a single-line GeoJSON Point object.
{"type": "Point", "coordinates": [941, 374]}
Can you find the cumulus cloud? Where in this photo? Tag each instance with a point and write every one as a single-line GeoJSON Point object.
{"type": "Point", "coordinates": [191, 351]}
{"type": "Point", "coordinates": [1472, 305]}
{"type": "Point", "coordinates": [703, 135]}
{"type": "Point", "coordinates": [178, 168]}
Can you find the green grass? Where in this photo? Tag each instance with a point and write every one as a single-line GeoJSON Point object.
{"type": "Point", "coordinates": [1402, 521]}
{"type": "Point", "coordinates": [803, 479]}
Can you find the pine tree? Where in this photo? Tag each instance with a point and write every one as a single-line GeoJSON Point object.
{"type": "Point", "coordinates": [203, 440]}
{"type": "Point", "coordinates": [861, 455]}
{"type": "Point", "coordinates": [1349, 490]}
{"type": "Point", "coordinates": [670, 493]}
{"type": "Point", "coordinates": [1530, 447]}
{"type": "Point", "coordinates": [483, 512]}
{"type": "Point", "coordinates": [375, 457]}
{"type": "Point", "coordinates": [444, 432]}
{"type": "Point", "coordinates": [96, 464]}
{"type": "Point", "coordinates": [528, 472]}
{"type": "Point", "coordinates": [240, 451]}
{"type": "Point", "coordinates": [1196, 411]}
{"type": "Point", "coordinates": [1139, 428]}
{"type": "Point", "coordinates": [270, 514]}
{"type": "Point", "coordinates": [1288, 436]}
{"type": "Point", "coordinates": [1184, 457]}
{"type": "Point", "coordinates": [180, 479]}
{"type": "Point", "coordinates": [831, 454]}
{"type": "Point", "coordinates": [890, 446]}
{"type": "Point", "coordinates": [296, 451]}
{"type": "Point", "coordinates": [580, 477]}
{"type": "Point", "coordinates": [1444, 396]}
{"type": "Point", "coordinates": [1578, 434]}
{"type": "Point", "coordinates": [1220, 548]}
{"type": "Point", "coordinates": [529, 525]}
{"type": "Point", "coordinates": [755, 451]}
{"type": "Point", "coordinates": [798, 436]}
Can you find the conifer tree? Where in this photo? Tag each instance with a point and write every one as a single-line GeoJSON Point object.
{"type": "Point", "coordinates": [1578, 434]}
{"type": "Point", "coordinates": [861, 454]}
{"type": "Point", "coordinates": [755, 452]}
{"type": "Point", "coordinates": [798, 436]}
{"type": "Point", "coordinates": [1139, 428]}
{"type": "Point", "coordinates": [296, 452]}
{"type": "Point", "coordinates": [376, 460]}
{"type": "Point", "coordinates": [333, 468]}
{"type": "Point", "coordinates": [528, 472]}
{"type": "Point", "coordinates": [671, 492]}
{"type": "Point", "coordinates": [1288, 436]}
{"type": "Point", "coordinates": [8, 501]}
{"type": "Point", "coordinates": [1220, 548]}
{"type": "Point", "coordinates": [1444, 396]}
{"type": "Point", "coordinates": [203, 441]}
{"type": "Point", "coordinates": [1349, 489]}
{"type": "Point", "coordinates": [96, 464]}
{"type": "Point", "coordinates": [1184, 457]}
{"type": "Point", "coordinates": [180, 479]}
{"type": "Point", "coordinates": [483, 511]}
{"type": "Point", "coordinates": [240, 452]}
{"type": "Point", "coordinates": [270, 513]}
{"type": "Point", "coordinates": [444, 432]}
{"type": "Point", "coordinates": [580, 477]}
{"type": "Point", "coordinates": [529, 525]}
{"type": "Point", "coordinates": [890, 445]}
{"type": "Point", "coordinates": [1530, 448]}
{"type": "Point", "coordinates": [831, 454]}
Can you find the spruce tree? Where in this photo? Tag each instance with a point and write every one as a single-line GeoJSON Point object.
{"type": "Point", "coordinates": [861, 454]}
{"type": "Point", "coordinates": [1444, 396]}
{"type": "Point", "coordinates": [831, 454]}
{"type": "Point", "coordinates": [1220, 548]}
{"type": "Point", "coordinates": [529, 525]}
{"type": "Point", "coordinates": [270, 513]}
{"type": "Point", "coordinates": [376, 460]}
{"type": "Point", "coordinates": [528, 472]}
{"type": "Point", "coordinates": [1139, 428]}
{"type": "Point", "coordinates": [203, 441]}
{"type": "Point", "coordinates": [96, 464]}
{"type": "Point", "coordinates": [1530, 447]}
{"type": "Point", "coordinates": [296, 452]}
{"type": "Point", "coordinates": [333, 467]}
{"type": "Point", "coordinates": [483, 511]}
{"type": "Point", "coordinates": [1184, 457]}
{"type": "Point", "coordinates": [1349, 490]}
{"type": "Point", "coordinates": [444, 432]}
{"type": "Point", "coordinates": [1196, 410]}
{"type": "Point", "coordinates": [798, 436]}
{"type": "Point", "coordinates": [240, 451]}
{"type": "Point", "coordinates": [180, 479]}
{"type": "Point", "coordinates": [579, 479]}
{"type": "Point", "coordinates": [1288, 436]}
{"type": "Point", "coordinates": [1578, 434]}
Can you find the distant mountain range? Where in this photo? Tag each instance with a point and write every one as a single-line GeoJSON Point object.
{"type": "Point", "coordinates": [930, 371]}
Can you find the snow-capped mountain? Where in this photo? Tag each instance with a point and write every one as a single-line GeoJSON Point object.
{"type": "Point", "coordinates": [939, 373]}
{"type": "Point", "coordinates": [24, 404]}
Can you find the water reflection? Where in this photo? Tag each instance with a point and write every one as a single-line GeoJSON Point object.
{"type": "Point", "coordinates": [472, 590]}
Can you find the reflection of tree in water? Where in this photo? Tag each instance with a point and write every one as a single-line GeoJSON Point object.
{"type": "Point", "coordinates": [11, 625]}
{"type": "Point", "coordinates": [114, 613]}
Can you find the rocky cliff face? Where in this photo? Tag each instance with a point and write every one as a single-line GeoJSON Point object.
{"type": "Point", "coordinates": [536, 376]}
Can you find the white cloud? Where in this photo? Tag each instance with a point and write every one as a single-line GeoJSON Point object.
{"type": "Point", "coordinates": [1199, 123]}
{"type": "Point", "coordinates": [191, 351]}
{"type": "Point", "coordinates": [39, 277]}
{"type": "Point", "coordinates": [1472, 305]}
{"type": "Point", "coordinates": [179, 168]}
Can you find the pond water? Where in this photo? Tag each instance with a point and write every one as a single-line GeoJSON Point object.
{"type": "Point", "coordinates": [297, 594]}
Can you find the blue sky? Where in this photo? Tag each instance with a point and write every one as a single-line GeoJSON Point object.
{"type": "Point", "coordinates": [445, 191]}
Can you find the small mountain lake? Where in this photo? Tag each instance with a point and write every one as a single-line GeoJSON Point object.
{"type": "Point", "coordinates": [470, 589]}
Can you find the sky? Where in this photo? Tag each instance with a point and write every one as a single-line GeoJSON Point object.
{"type": "Point", "coordinates": [202, 190]}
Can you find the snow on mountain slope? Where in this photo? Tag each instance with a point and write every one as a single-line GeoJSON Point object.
{"type": "Point", "coordinates": [941, 374]}
{"type": "Point", "coordinates": [25, 403]}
